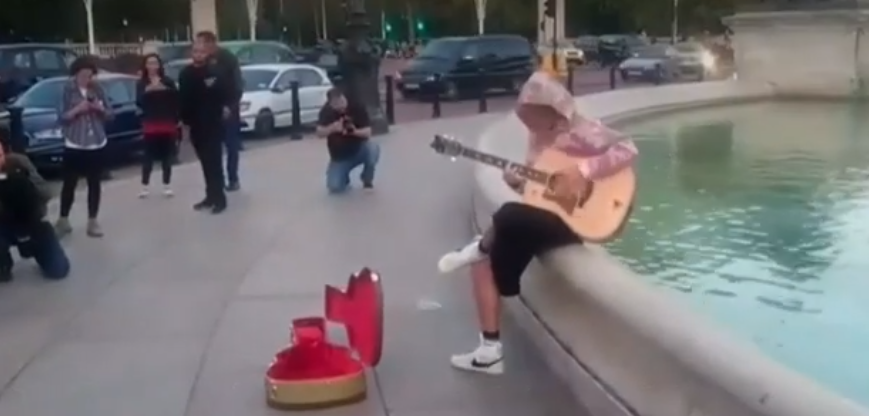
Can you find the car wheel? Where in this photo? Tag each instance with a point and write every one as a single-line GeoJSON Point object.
{"type": "Point", "coordinates": [451, 91]}
{"type": "Point", "coordinates": [264, 125]}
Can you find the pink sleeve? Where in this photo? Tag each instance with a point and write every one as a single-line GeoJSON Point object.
{"type": "Point", "coordinates": [615, 158]}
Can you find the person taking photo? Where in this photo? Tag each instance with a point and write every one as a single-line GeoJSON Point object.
{"type": "Point", "coordinates": [158, 100]}
{"type": "Point", "coordinates": [83, 113]}
{"type": "Point", "coordinates": [347, 130]}
{"type": "Point", "coordinates": [24, 197]}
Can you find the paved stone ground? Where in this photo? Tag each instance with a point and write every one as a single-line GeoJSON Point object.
{"type": "Point", "coordinates": [177, 313]}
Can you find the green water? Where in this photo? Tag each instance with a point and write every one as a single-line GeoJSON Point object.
{"type": "Point", "coordinates": [758, 217]}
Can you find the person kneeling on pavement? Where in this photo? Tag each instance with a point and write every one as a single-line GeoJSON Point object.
{"type": "Point", "coordinates": [24, 197]}
{"type": "Point", "coordinates": [347, 129]}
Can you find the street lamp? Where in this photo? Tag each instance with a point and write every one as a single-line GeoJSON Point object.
{"type": "Point", "coordinates": [359, 64]}
{"type": "Point", "coordinates": [89, 14]}
{"type": "Point", "coordinates": [674, 27]}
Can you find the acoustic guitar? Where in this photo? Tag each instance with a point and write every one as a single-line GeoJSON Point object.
{"type": "Point", "coordinates": [597, 213]}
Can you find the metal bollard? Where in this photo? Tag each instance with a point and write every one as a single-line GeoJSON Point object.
{"type": "Point", "coordinates": [482, 82]}
{"type": "Point", "coordinates": [659, 76]}
{"type": "Point", "coordinates": [390, 99]}
{"type": "Point", "coordinates": [296, 132]}
{"type": "Point", "coordinates": [570, 68]}
{"type": "Point", "coordinates": [436, 98]}
{"type": "Point", "coordinates": [613, 76]}
{"type": "Point", "coordinates": [17, 140]}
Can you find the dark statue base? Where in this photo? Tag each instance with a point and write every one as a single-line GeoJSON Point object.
{"type": "Point", "coordinates": [359, 63]}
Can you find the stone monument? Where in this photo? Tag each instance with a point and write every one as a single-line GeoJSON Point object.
{"type": "Point", "coordinates": [803, 47]}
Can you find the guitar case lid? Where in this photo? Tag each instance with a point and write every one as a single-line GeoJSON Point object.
{"type": "Point", "coordinates": [360, 309]}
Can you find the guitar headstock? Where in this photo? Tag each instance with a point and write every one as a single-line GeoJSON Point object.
{"type": "Point", "coordinates": [447, 145]}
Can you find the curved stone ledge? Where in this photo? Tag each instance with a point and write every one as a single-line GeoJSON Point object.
{"type": "Point", "coordinates": [625, 347]}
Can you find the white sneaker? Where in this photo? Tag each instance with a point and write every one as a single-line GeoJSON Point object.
{"type": "Point", "coordinates": [487, 358]}
{"type": "Point", "coordinates": [167, 192]}
{"type": "Point", "coordinates": [144, 193]}
{"type": "Point", "coordinates": [462, 257]}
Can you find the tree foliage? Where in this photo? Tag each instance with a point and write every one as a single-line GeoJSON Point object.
{"type": "Point", "coordinates": [302, 19]}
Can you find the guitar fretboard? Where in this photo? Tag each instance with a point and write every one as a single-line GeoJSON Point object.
{"type": "Point", "coordinates": [522, 170]}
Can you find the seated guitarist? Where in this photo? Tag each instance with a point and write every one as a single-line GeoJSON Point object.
{"type": "Point", "coordinates": [519, 231]}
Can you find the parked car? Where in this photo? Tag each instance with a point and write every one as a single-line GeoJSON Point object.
{"type": "Point", "coordinates": [22, 65]}
{"type": "Point", "coordinates": [613, 49]}
{"type": "Point", "coordinates": [457, 66]}
{"type": "Point", "coordinates": [589, 47]}
{"type": "Point", "coordinates": [570, 53]}
{"type": "Point", "coordinates": [267, 100]}
{"type": "Point", "coordinates": [169, 52]}
{"type": "Point", "coordinates": [40, 119]}
{"type": "Point", "coordinates": [264, 52]}
{"type": "Point", "coordinates": [655, 63]}
{"type": "Point", "coordinates": [695, 60]}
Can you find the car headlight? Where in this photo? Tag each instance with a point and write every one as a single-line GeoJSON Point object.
{"type": "Point", "coordinates": [244, 106]}
{"type": "Point", "coordinates": [430, 78]}
{"type": "Point", "coordinates": [707, 60]}
{"type": "Point", "coordinates": [48, 134]}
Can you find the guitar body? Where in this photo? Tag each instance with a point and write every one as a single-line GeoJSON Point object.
{"type": "Point", "coordinates": [599, 213]}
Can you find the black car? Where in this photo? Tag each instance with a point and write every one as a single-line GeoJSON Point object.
{"type": "Point", "coordinates": [22, 65]}
{"type": "Point", "coordinates": [459, 66]}
{"type": "Point", "coordinates": [41, 128]}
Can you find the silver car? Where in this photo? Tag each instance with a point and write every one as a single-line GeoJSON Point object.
{"type": "Point", "coordinates": [695, 60]}
{"type": "Point", "coordinates": [653, 63]}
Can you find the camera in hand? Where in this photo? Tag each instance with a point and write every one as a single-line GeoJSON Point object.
{"type": "Point", "coordinates": [347, 123]}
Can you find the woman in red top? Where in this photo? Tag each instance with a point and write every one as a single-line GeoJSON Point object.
{"type": "Point", "coordinates": [158, 100]}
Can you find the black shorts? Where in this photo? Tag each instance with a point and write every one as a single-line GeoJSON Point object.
{"type": "Point", "coordinates": [521, 233]}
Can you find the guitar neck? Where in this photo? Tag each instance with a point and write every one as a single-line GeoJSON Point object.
{"type": "Point", "coordinates": [523, 170]}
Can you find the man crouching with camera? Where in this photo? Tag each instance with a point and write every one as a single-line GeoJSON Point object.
{"type": "Point", "coordinates": [24, 197]}
{"type": "Point", "coordinates": [347, 130]}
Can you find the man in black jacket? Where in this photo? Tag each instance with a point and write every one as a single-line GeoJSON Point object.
{"type": "Point", "coordinates": [204, 97]}
{"type": "Point", "coordinates": [24, 197]}
{"type": "Point", "coordinates": [227, 67]}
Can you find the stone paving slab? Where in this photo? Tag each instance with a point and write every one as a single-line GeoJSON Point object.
{"type": "Point", "coordinates": [177, 313]}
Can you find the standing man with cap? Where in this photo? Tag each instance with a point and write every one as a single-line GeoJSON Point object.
{"type": "Point", "coordinates": [226, 66]}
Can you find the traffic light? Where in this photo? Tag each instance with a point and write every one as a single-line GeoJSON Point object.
{"type": "Point", "coordinates": [549, 8]}
{"type": "Point", "coordinates": [388, 28]}
{"type": "Point", "coordinates": [420, 26]}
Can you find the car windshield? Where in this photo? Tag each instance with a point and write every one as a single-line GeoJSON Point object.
{"type": "Point", "coordinates": [442, 49]}
{"type": "Point", "coordinates": [172, 52]}
{"type": "Point", "coordinates": [45, 94]}
{"type": "Point", "coordinates": [234, 47]}
{"type": "Point", "coordinates": [651, 52]}
{"type": "Point", "coordinates": [688, 48]}
{"type": "Point", "coordinates": [257, 79]}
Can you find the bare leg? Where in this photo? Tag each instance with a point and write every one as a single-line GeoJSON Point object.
{"type": "Point", "coordinates": [486, 297]}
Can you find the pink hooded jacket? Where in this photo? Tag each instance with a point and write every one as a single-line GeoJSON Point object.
{"type": "Point", "coordinates": [606, 151]}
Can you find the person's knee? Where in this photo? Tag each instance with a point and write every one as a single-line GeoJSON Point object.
{"type": "Point", "coordinates": [508, 213]}
{"type": "Point", "coordinates": [57, 269]}
{"type": "Point", "coordinates": [372, 154]}
{"type": "Point", "coordinates": [337, 180]}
